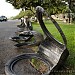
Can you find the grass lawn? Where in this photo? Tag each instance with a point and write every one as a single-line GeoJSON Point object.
{"type": "Point", "coordinates": [69, 31]}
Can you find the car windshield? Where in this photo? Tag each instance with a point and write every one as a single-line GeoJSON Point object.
{"type": "Point", "coordinates": [3, 16]}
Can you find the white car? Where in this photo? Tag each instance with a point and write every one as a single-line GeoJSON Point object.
{"type": "Point", "coordinates": [3, 18]}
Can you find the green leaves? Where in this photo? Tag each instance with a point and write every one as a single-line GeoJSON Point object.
{"type": "Point", "coordinates": [24, 13]}
{"type": "Point", "coordinates": [52, 6]}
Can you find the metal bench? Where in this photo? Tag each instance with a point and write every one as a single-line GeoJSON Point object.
{"type": "Point", "coordinates": [24, 33]}
{"type": "Point", "coordinates": [29, 25]}
{"type": "Point", "coordinates": [51, 51]}
{"type": "Point", "coordinates": [28, 38]}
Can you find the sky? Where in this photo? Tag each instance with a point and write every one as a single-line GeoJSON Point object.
{"type": "Point", "coordinates": [6, 9]}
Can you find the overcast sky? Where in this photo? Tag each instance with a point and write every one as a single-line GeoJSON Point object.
{"type": "Point", "coordinates": [7, 9]}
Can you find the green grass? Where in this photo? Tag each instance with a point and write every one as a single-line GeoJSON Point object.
{"type": "Point", "coordinates": [69, 31]}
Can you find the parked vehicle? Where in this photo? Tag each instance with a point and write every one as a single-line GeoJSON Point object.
{"type": "Point", "coordinates": [3, 18]}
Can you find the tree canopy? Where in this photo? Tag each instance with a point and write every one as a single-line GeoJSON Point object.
{"type": "Point", "coordinates": [24, 13]}
{"type": "Point", "coordinates": [72, 6]}
{"type": "Point", "coordinates": [52, 6]}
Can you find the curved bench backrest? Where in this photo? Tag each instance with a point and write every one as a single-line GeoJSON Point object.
{"type": "Point", "coordinates": [39, 12]}
{"type": "Point", "coordinates": [51, 48]}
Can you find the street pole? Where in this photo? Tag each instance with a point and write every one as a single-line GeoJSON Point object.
{"type": "Point", "coordinates": [69, 2]}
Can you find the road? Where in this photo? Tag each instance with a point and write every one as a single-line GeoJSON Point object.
{"type": "Point", "coordinates": [7, 48]}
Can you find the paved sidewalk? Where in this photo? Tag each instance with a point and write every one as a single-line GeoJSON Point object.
{"type": "Point", "coordinates": [7, 48]}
